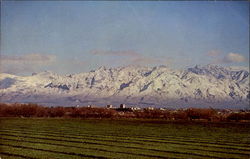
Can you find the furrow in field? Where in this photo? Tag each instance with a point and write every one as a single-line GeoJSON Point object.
{"type": "Point", "coordinates": [139, 138]}
{"type": "Point", "coordinates": [119, 136]}
{"type": "Point", "coordinates": [54, 151]}
{"type": "Point", "coordinates": [133, 139]}
{"type": "Point", "coordinates": [127, 152]}
{"type": "Point", "coordinates": [69, 127]}
{"type": "Point", "coordinates": [80, 147]}
{"type": "Point", "coordinates": [176, 152]}
{"type": "Point", "coordinates": [145, 142]}
{"type": "Point", "coordinates": [80, 138]}
{"type": "Point", "coordinates": [36, 154]}
{"type": "Point", "coordinates": [16, 155]}
{"type": "Point", "coordinates": [144, 136]}
{"type": "Point", "coordinates": [82, 155]}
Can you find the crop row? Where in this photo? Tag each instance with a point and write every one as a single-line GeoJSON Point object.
{"type": "Point", "coordinates": [127, 152]}
{"type": "Point", "coordinates": [76, 138]}
{"type": "Point", "coordinates": [49, 148]}
{"type": "Point", "coordinates": [113, 144]}
{"type": "Point", "coordinates": [85, 133]}
{"type": "Point", "coordinates": [81, 147]}
{"type": "Point", "coordinates": [135, 140]}
{"type": "Point", "coordinates": [223, 138]}
{"type": "Point", "coordinates": [14, 156]}
{"type": "Point", "coordinates": [52, 151]}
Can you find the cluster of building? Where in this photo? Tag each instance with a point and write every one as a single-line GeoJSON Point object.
{"type": "Point", "coordinates": [123, 107]}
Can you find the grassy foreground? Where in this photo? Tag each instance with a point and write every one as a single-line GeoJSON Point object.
{"type": "Point", "coordinates": [126, 138]}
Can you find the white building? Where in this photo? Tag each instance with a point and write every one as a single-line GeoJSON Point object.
{"type": "Point", "coordinates": [122, 106]}
{"type": "Point", "coordinates": [109, 106]}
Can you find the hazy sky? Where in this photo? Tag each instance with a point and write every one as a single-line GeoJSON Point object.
{"type": "Point", "coordinates": [72, 37]}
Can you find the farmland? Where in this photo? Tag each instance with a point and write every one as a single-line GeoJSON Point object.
{"type": "Point", "coordinates": [123, 138]}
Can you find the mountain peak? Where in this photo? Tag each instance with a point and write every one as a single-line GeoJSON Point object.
{"type": "Point", "coordinates": [208, 85]}
{"type": "Point", "coordinates": [102, 68]}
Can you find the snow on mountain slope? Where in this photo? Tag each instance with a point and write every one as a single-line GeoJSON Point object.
{"type": "Point", "coordinates": [200, 86]}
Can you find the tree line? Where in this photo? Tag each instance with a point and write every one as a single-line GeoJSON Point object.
{"type": "Point", "coordinates": [207, 114]}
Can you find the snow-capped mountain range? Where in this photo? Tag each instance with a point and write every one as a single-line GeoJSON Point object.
{"type": "Point", "coordinates": [200, 86]}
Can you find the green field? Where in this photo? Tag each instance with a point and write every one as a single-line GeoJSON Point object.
{"type": "Point", "coordinates": [106, 138]}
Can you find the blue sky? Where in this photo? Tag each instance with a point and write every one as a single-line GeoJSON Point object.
{"type": "Point", "coordinates": [71, 37]}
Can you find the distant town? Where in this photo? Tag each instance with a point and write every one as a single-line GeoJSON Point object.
{"type": "Point", "coordinates": [123, 111]}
